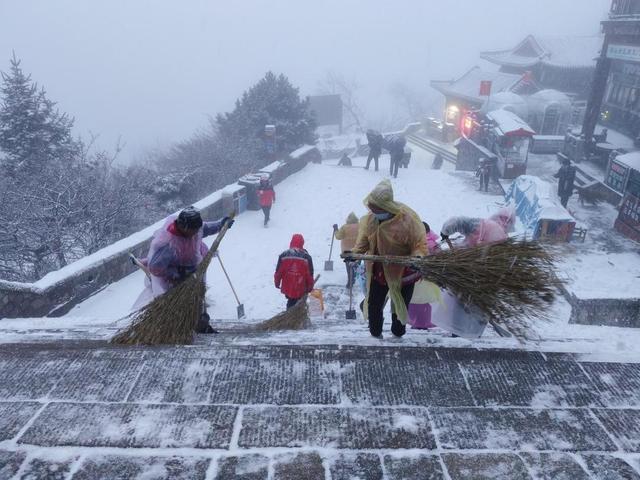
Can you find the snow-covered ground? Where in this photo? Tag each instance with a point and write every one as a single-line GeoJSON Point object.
{"type": "Point", "coordinates": [310, 202]}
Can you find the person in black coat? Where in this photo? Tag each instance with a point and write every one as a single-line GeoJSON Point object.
{"type": "Point", "coordinates": [345, 161]}
{"type": "Point", "coordinates": [395, 144]}
{"type": "Point", "coordinates": [375, 147]}
{"type": "Point", "coordinates": [566, 176]}
{"type": "Point", "coordinates": [483, 172]}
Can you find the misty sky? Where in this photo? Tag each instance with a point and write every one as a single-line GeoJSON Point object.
{"type": "Point", "coordinates": [152, 71]}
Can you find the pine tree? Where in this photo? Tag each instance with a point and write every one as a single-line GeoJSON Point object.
{"type": "Point", "coordinates": [271, 101]}
{"type": "Point", "coordinates": [32, 131]}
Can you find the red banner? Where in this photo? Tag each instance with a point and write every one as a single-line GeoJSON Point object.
{"type": "Point", "coordinates": [485, 88]}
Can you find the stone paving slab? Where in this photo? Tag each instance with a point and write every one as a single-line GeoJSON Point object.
{"type": "Point", "coordinates": [120, 467]}
{"type": "Point", "coordinates": [520, 382]}
{"type": "Point", "coordinates": [554, 466]}
{"type": "Point", "coordinates": [348, 466]}
{"type": "Point", "coordinates": [610, 468]}
{"type": "Point", "coordinates": [10, 463]}
{"type": "Point", "coordinates": [509, 429]}
{"type": "Point", "coordinates": [30, 375]}
{"type": "Point", "coordinates": [486, 466]}
{"type": "Point", "coordinates": [101, 376]}
{"type": "Point", "coordinates": [617, 384]}
{"type": "Point", "coordinates": [46, 466]}
{"type": "Point", "coordinates": [417, 467]}
{"type": "Point", "coordinates": [176, 379]}
{"type": "Point", "coordinates": [15, 415]}
{"type": "Point", "coordinates": [624, 425]}
{"type": "Point", "coordinates": [404, 382]}
{"type": "Point", "coordinates": [297, 466]}
{"type": "Point", "coordinates": [245, 467]}
{"type": "Point", "coordinates": [277, 382]}
{"type": "Point", "coordinates": [355, 428]}
{"type": "Point", "coordinates": [131, 425]}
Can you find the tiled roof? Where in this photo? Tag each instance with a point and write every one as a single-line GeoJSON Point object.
{"type": "Point", "coordinates": [559, 51]}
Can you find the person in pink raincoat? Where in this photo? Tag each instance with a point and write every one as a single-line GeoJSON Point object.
{"type": "Point", "coordinates": [175, 252]}
{"type": "Point", "coordinates": [450, 314]}
{"type": "Point", "coordinates": [425, 293]}
{"type": "Point", "coordinates": [480, 231]}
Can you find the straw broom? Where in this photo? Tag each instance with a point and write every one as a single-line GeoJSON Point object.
{"type": "Point", "coordinates": [170, 319]}
{"type": "Point", "coordinates": [295, 318]}
{"type": "Point", "coordinates": [509, 282]}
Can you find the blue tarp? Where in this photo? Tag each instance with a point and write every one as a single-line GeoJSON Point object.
{"type": "Point", "coordinates": [534, 203]}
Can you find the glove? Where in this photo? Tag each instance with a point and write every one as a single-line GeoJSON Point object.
{"type": "Point", "coordinates": [346, 256]}
{"type": "Point", "coordinates": [184, 271]}
{"type": "Point", "coordinates": [228, 221]}
{"type": "Point", "coordinates": [335, 226]}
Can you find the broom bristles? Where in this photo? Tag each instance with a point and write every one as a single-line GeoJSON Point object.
{"type": "Point", "coordinates": [171, 318]}
{"type": "Point", "coordinates": [509, 282]}
{"type": "Point", "coordinates": [295, 318]}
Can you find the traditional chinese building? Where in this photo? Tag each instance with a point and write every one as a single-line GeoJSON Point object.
{"type": "Point", "coordinates": [615, 96]}
{"type": "Point", "coordinates": [466, 93]}
{"type": "Point", "coordinates": [560, 63]}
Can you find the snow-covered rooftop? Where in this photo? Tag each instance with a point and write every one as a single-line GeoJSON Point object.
{"type": "Point", "coordinates": [509, 123]}
{"type": "Point", "coordinates": [630, 159]}
{"type": "Point", "coordinates": [559, 51]}
{"type": "Point", "coordinates": [468, 86]}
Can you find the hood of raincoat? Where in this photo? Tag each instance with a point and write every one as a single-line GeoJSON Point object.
{"type": "Point", "coordinates": [382, 197]}
{"type": "Point", "coordinates": [352, 218]}
{"type": "Point", "coordinates": [506, 217]}
{"type": "Point", "coordinates": [297, 241]}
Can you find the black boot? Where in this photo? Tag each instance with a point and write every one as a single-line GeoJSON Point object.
{"type": "Point", "coordinates": [397, 328]}
{"type": "Point", "coordinates": [203, 325]}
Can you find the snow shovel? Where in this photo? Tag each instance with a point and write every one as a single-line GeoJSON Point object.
{"type": "Point", "coordinates": [240, 307]}
{"type": "Point", "coordinates": [351, 313]}
{"type": "Point", "coordinates": [328, 264]}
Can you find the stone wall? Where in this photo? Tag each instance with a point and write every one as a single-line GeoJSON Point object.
{"type": "Point", "coordinates": [612, 312]}
{"type": "Point", "coordinates": [58, 292]}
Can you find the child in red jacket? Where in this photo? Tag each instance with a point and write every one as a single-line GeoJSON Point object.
{"type": "Point", "coordinates": [294, 272]}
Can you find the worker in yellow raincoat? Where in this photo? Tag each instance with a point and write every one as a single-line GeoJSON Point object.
{"type": "Point", "coordinates": [390, 228]}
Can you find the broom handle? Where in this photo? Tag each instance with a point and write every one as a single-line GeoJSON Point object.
{"type": "Point", "coordinates": [449, 243]}
{"type": "Point", "coordinates": [396, 259]}
{"type": "Point", "coordinates": [228, 279]}
{"type": "Point", "coordinates": [214, 246]}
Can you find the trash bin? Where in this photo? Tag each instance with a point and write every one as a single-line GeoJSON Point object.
{"type": "Point", "coordinates": [251, 183]}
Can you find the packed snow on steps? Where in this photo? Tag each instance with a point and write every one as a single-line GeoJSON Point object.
{"type": "Point", "coordinates": [310, 202]}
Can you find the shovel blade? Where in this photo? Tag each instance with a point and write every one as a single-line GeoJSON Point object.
{"type": "Point", "coordinates": [350, 314]}
{"type": "Point", "coordinates": [328, 265]}
{"type": "Point", "coordinates": [240, 309]}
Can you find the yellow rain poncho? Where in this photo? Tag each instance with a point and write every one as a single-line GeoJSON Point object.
{"type": "Point", "coordinates": [401, 235]}
{"type": "Point", "coordinates": [348, 233]}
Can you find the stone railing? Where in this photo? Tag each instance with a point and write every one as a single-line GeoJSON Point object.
{"type": "Point", "coordinates": [57, 292]}
{"type": "Point", "coordinates": [612, 312]}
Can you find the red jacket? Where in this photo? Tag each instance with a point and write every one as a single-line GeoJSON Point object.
{"type": "Point", "coordinates": [294, 272]}
{"type": "Point", "coordinates": [267, 196]}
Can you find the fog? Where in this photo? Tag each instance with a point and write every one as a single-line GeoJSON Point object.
{"type": "Point", "coordinates": [152, 71]}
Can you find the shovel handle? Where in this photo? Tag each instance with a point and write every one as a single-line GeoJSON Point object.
{"type": "Point", "coordinates": [228, 279]}
{"type": "Point", "coordinates": [333, 235]}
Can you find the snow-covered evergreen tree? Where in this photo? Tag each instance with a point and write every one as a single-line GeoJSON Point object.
{"type": "Point", "coordinates": [32, 131]}
{"type": "Point", "coordinates": [271, 101]}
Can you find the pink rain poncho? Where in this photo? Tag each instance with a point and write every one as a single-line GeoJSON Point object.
{"type": "Point", "coordinates": [480, 231]}
{"type": "Point", "coordinates": [171, 254]}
